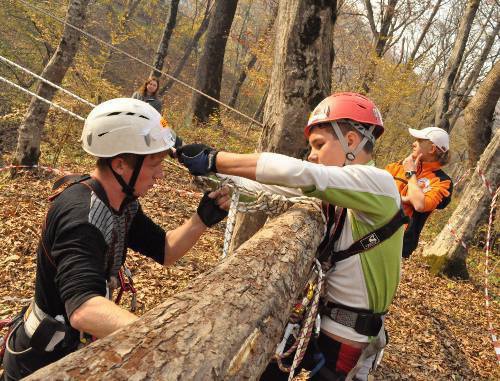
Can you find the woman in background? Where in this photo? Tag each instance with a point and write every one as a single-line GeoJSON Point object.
{"type": "Point", "coordinates": [147, 93]}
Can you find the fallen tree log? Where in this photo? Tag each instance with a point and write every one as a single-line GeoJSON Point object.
{"type": "Point", "coordinates": [224, 326]}
{"type": "Point", "coordinates": [446, 254]}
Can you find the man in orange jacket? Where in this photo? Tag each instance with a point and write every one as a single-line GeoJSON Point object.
{"type": "Point", "coordinates": [421, 182]}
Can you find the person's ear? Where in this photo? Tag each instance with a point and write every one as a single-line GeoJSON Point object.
{"type": "Point", "coordinates": [118, 164]}
{"type": "Point", "coordinates": [433, 150]}
{"type": "Point", "coordinates": [352, 138]}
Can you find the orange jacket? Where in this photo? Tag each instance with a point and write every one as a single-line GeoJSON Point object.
{"type": "Point", "coordinates": [437, 187]}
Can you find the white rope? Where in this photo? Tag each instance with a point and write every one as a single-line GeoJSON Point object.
{"type": "Point", "coordinates": [6, 60]}
{"type": "Point", "coordinates": [308, 326]}
{"type": "Point", "coordinates": [271, 204]}
{"type": "Point", "coordinates": [42, 99]}
{"type": "Point", "coordinates": [140, 61]}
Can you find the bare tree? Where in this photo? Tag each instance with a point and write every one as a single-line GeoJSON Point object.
{"type": "Point", "coordinates": [122, 30]}
{"type": "Point", "coordinates": [446, 254]}
{"type": "Point", "coordinates": [189, 49]}
{"type": "Point", "coordinates": [161, 51]}
{"type": "Point", "coordinates": [300, 79]}
{"type": "Point", "coordinates": [30, 131]}
{"type": "Point", "coordinates": [441, 118]}
{"type": "Point", "coordinates": [252, 59]}
{"type": "Point", "coordinates": [209, 71]}
{"type": "Point", "coordinates": [479, 114]}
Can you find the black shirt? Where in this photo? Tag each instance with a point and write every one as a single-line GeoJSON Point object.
{"type": "Point", "coordinates": [84, 243]}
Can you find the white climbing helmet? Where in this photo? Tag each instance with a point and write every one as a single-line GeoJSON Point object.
{"type": "Point", "coordinates": [125, 125]}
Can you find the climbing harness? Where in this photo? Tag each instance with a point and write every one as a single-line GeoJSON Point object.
{"type": "Point", "coordinates": [126, 284]}
{"type": "Point", "coordinates": [310, 324]}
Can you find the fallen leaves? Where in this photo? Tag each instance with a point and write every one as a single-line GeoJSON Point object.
{"type": "Point", "coordinates": [438, 327]}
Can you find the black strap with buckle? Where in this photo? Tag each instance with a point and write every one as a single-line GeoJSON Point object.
{"type": "Point", "coordinates": [364, 322]}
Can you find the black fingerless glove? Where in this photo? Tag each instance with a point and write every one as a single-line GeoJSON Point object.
{"type": "Point", "coordinates": [210, 213]}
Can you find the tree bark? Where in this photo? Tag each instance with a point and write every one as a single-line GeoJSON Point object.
{"type": "Point", "coordinates": [209, 71]}
{"type": "Point", "coordinates": [446, 254]}
{"type": "Point", "coordinates": [30, 131]}
{"type": "Point", "coordinates": [161, 52]}
{"type": "Point", "coordinates": [225, 326]}
{"type": "Point", "coordinates": [187, 52]}
{"type": "Point", "coordinates": [441, 118]}
{"type": "Point", "coordinates": [300, 79]}
{"type": "Point", "coordinates": [460, 100]}
{"type": "Point", "coordinates": [479, 114]}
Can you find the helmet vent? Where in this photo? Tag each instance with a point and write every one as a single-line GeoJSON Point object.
{"type": "Point", "coordinates": [115, 113]}
{"type": "Point", "coordinates": [130, 113]}
{"type": "Point", "coordinates": [143, 116]}
{"type": "Point", "coordinates": [362, 106]}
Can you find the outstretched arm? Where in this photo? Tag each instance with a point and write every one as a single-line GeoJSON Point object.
{"type": "Point", "coordinates": [243, 165]}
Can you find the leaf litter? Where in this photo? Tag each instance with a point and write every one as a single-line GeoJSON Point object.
{"type": "Point", "coordinates": [438, 326]}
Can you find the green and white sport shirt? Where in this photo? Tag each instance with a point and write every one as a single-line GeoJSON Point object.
{"type": "Point", "coordinates": [367, 280]}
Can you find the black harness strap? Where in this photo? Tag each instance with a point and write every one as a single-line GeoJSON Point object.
{"type": "Point", "coordinates": [372, 239]}
{"type": "Point", "coordinates": [327, 254]}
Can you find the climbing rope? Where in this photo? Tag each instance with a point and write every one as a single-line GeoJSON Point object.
{"type": "Point", "coordinates": [42, 98]}
{"type": "Point", "coordinates": [6, 60]}
{"type": "Point", "coordinates": [310, 303]}
{"type": "Point", "coordinates": [271, 204]}
{"type": "Point", "coordinates": [40, 10]}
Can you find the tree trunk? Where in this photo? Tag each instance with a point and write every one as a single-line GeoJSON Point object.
{"type": "Point", "coordinates": [250, 63]}
{"type": "Point", "coordinates": [414, 52]}
{"type": "Point", "coordinates": [479, 114]}
{"type": "Point", "coordinates": [442, 115]}
{"type": "Point", "coordinates": [381, 39]}
{"type": "Point", "coordinates": [225, 326]}
{"type": "Point", "coordinates": [241, 78]}
{"type": "Point", "coordinates": [187, 52]}
{"type": "Point", "coordinates": [446, 254]}
{"type": "Point", "coordinates": [30, 131]}
{"type": "Point", "coordinates": [209, 71]}
{"type": "Point", "coordinates": [300, 79]}
{"type": "Point", "coordinates": [161, 52]}
{"type": "Point", "coordinates": [459, 103]}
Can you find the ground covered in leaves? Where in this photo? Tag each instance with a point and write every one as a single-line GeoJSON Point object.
{"type": "Point", "coordinates": [438, 327]}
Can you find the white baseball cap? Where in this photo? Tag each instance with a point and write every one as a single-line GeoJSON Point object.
{"type": "Point", "coordinates": [436, 135]}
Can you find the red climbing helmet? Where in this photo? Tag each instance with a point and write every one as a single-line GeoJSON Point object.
{"type": "Point", "coordinates": [351, 106]}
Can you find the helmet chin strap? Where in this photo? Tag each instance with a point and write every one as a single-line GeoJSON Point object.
{"type": "Point", "coordinates": [128, 189]}
{"type": "Point", "coordinates": [350, 155]}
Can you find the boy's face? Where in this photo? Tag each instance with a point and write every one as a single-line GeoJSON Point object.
{"type": "Point", "coordinates": [325, 149]}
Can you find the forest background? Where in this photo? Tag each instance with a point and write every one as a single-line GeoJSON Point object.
{"type": "Point", "coordinates": [439, 325]}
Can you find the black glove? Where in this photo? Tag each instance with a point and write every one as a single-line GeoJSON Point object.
{"type": "Point", "coordinates": [198, 158]}
{"type": "Point", "coordinates": [178, 142]}
{"type": "Point", "coordinates": [210, 213]}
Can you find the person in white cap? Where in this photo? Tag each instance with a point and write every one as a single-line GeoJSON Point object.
{"type": "Point", "coordinates": [92, 221]}
{"type": "Point", "coordinates": [423, 185]}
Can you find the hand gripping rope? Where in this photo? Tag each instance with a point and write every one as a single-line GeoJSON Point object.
{"type": "Point", "coordinates": [271, 204]}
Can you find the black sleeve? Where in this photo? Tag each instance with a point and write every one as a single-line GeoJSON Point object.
{"type": "Point", "coordinates": [79, 253]}
{"type": "Point", "coordinates": [147, 238]}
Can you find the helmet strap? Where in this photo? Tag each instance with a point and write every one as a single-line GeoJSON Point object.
{"type": "Point", "coordinates": [350, 155]}
{"type": "Point", "coordinates": [128, 189]}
